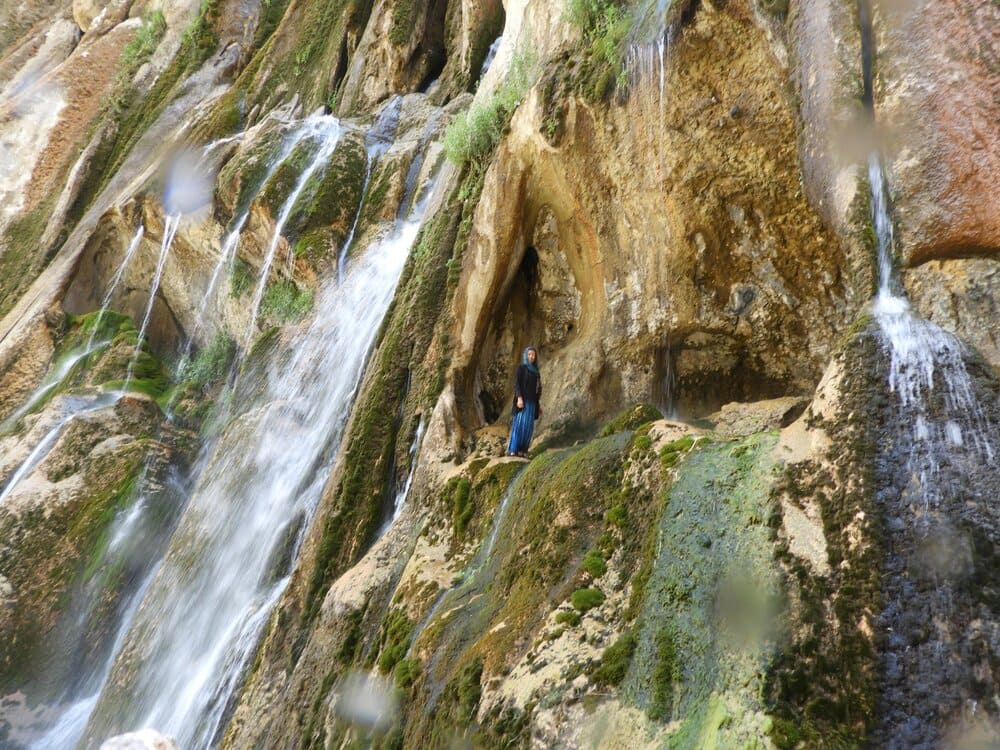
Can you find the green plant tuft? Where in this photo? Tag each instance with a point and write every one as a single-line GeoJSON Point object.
{"type": "Point", "coordinates": [285, 302]}
{"type": "Point", "coordinates": [211, 364]}
{"type": "Point", "coordinates": [569, 617]}
{"type": "Point", "coordinates": [615, 660]}
{"type": "Point", "coordinates": [594, 564]}
{"type": "Point", "coordinates": [632, 418]}
{"type": "Point", "coordinates": [584, 599]}
{"type": "Point", "coordinates": [462, 506]}
{"type": "Point", "coordinates": [474, 134]}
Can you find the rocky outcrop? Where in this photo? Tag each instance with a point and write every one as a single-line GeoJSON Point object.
{"type": "Point", "coordinates": [146, 739]}
{"type": "Point", "coordinates": [937, 99]}
{"type": "Point", "coordinates": [681, 286]}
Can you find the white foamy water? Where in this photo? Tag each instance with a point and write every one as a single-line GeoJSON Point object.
{"type": "Point", "coordinates": [169, 231]}
{"type": "Point", "coordinates": [204, 612]}
{"type": "Point", "coordinates": [327, 130]}
{"type": "Point", "coordinates": [926, 366]}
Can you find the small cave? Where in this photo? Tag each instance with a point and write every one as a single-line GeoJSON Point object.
{"type": "Point", "coordinates": [693, 380]}
{"type": "Point", "coordinates": [519, 322]}
{"type": "Point", "coordinates": [430, 55]}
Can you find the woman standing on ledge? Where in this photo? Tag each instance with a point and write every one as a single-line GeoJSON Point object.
{"type": "Point", "coordinates": [527, 395]}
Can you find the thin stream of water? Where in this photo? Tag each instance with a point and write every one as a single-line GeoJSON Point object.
{"type": "Point", "coordinates": [169, 231]}
{"type": "Point", "coordinates": [327, 130]}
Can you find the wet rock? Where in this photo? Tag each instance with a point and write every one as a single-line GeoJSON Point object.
{"type": "Point", "coordinates": [144, 739]}
{"type": "Point", "coordinates": [961, 295]}
{"type": "Point", "coordinates": [937, 96]}
{"type": "Point", "coordinates": [740, 420]}
{"type": "Point", "coordinates": [85, 11]}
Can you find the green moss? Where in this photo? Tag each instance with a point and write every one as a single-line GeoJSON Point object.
{"type": "Point", "coordinates": [666, 675]}
{"type": "Point", "coordinates": [402, 22]}
{"type": "Point", "coordinates": [811, 703]}
{"type": "Point", "coordinates": [711, 538]}
{"type": "Point", "coordinates": [407, 671]}
{"type": "Point", "coordinates": [631, 418]}
{"type": "Point", "coordinates": [616, 516]}
{"type": "Point", "coordinates": [308, 54]}
{"type": "Point", "coordinates": [453, 718]}
{"type": "Point", "coordinates": [594, 564]}
{"type": "Point", "coordinates": [394, 640]}
{"type": "Point", "coordinates": [568, 617]}
{"type": "Point", "coordinates": [241, 278]}
{"type": "Point", "coordinates": [586, 599]}
{"type": "Point", "coordinates": [284, 302]}
{"type": "Point", "coordinates": [23, 257]}
{"type": "Point", "coordinates": [671, 453]}
{"type": "Point", "coordinates": [604, 24]}
{"type": "Point", "coordinates": [615, 660]}
{"type": "Point", "coordinates": [211, 364]}
{"type": "Point", "coordinates": [462, 505]}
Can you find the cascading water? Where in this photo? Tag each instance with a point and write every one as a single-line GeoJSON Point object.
{"type": "Point", "coordinates": [116, 280]}
{"type": "Point", "coordinates": [936, 468]}
{"type": "Point", "coordinates": [231, 240]}
{"type": "Point", "coordinates": [73, 407]}
{"type": "Point", "coordinates": [491, 54]}
{"type": "Point", "coordinates": [923, 360]}
{"type": "Point", "coordinates": [377, 142]}
{"type": "Point", "coordinates": [646, 58]}
{"type": "Point", "coordinates": [202, 617]}
{"type": "Point", "coordinates": [124, 572]}
{"type": "Point", "coordinates": [169, 231]}
{"type": "Point", "coordinates": [327, 130]}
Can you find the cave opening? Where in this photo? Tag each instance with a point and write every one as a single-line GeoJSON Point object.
{"type": "Point", "coordinates": [519, 324]}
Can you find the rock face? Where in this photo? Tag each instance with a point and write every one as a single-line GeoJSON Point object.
{"type": "Point", "coordinates": [671, 203]}
{"type": "Point", "coordinates": [145, 739]}
{"type": "Point", "coordinates": [938, 101]}
{"type": "Point", "coordinates": [651, 279]}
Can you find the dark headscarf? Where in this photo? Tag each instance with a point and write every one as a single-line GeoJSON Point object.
{"type": "Point", "coordinates": [533, 366]}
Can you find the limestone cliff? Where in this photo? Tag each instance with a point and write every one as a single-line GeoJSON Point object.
{"type": "Point", "coordinates": [266, 269]}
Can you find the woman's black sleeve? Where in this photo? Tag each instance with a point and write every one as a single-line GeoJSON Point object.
{"type": "Point", "coordinates": [519, 381]}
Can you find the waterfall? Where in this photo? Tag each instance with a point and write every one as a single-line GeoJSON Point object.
{"type": "Point", "coordinates": [924, 361]}
{"type": "Point", "coordinates": [75, 406]}
{"type": "Point", "coordinates": [231, 240]}
{"type": "Point", "coordinates": [201, 619]}
{"type": "Point", "coordinates": [169, 231]}
{"type": "Point", "coordinates": [936, 463]}
{"type": "Point", "coordinates": [327, 129]}
{"type": "Point", "coordinates": [62, 370]}
{"type": "Point", "coordinates": [645, 78]}
{"type": "Point", "coordinates": [377, 142]}
{"type": "Point", "coordinates": [116, 280]}
{"type": "Point", "coordinates": [136, 540]}
{"type": "Point", "coordinates": [491, 54]}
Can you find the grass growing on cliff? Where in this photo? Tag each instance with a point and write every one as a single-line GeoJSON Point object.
{"type": "Point", "coordinates": [604, 24]}
{"type": "Point", "coordinates": [474, 134]}
{"type": "Point", "coordinates": [285, 302]}
{"type": "Point", "coordinates": [135, 55]}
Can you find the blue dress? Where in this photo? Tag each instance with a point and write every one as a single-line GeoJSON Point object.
{"type": "Point", "coordinates": [522, 428]}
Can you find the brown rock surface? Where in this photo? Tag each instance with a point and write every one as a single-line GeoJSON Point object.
{"type": "Point", "coordinates": [651, 247]}
{"type": "Point", "coordinates": [937, 97]}
{"type": "Point", "coordinates": [961, 295]}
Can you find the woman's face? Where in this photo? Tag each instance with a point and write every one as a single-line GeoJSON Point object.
{"type": "Point", "coordinates": [532, 356]}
